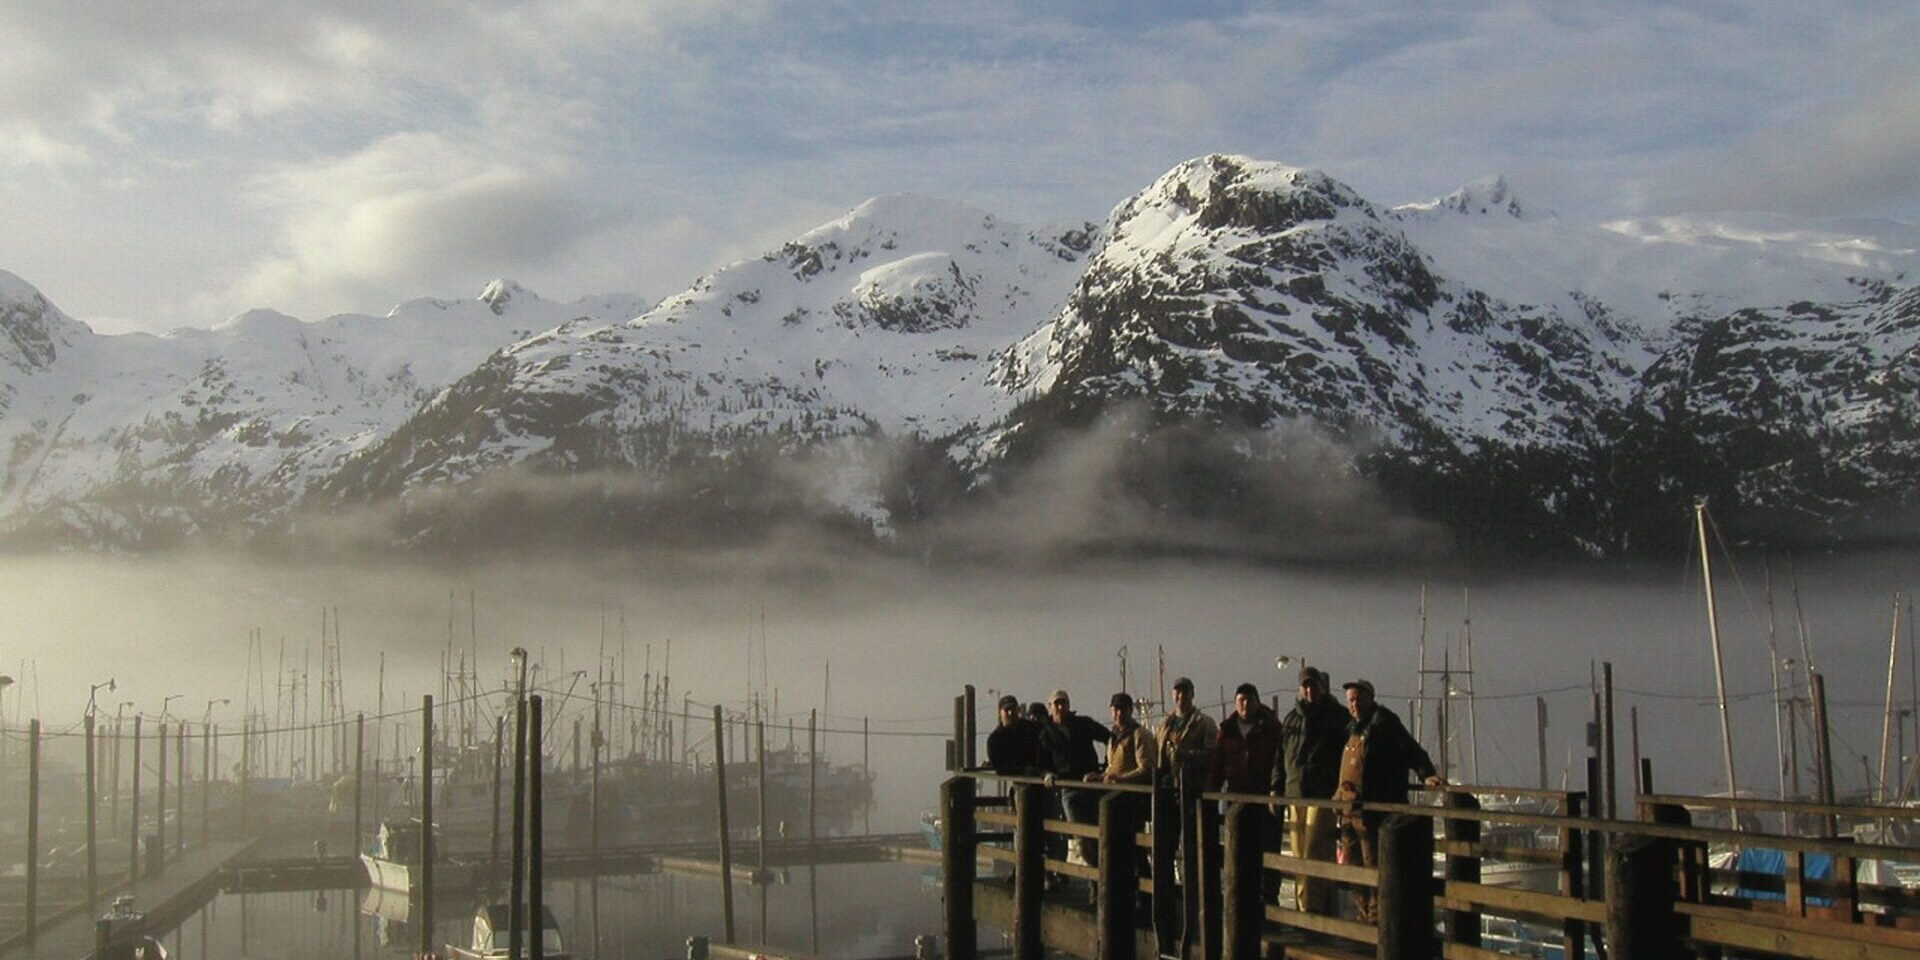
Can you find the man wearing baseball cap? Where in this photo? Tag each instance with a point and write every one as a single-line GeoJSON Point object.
{"type": "Point", "coordinates": [1307, 766]}
{"type": "Point", "coordinates": [1373, 769]}
{"type": "Point", "coordinates": [1012, 745]}
{"type": "Point", "coordinates": [1066, 754]}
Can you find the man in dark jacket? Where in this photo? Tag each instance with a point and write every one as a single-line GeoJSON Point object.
{"type": "Point", "coordinates": [1066, 755]}
{"type": "Point", "coordinates": [1307, 765]}
{"type": "Point", "coordinates": [1373, 769]}
{"type": "Point", "coordinates": [1013, 745]}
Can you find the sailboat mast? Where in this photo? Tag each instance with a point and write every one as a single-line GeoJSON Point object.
{"type": "Point", "coordinates": [1420, 712]}
{"type": "Point", "coordinates": [1886, 725]}
{"type": "Point", "coordinates": [1773, 670]}
{"type": "Point", "coordinates": [1473, 721]}
{"type": "Point", "coordinates": [1719, 669]}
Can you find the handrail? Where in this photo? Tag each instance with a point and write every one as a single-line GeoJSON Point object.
{"type": "Point", "coordinates": [1054, 783]}
{"type": "Point", "coordinates": [1857, 811]}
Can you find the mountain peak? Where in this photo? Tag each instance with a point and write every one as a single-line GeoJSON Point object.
{"type": "Point", "coordinates": [1226, 190]}
{"type": "Point", "coordinates": [1487, 196]}
{"type": "Point", "coordinates": [501, 292]}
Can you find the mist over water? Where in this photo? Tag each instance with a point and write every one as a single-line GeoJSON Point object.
{"type": "Point", "coordinates": [902, 639]}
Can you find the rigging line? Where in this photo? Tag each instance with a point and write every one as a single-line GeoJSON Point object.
{"type": "Point", "coordinates": [73, 731]}
{"type": "Point", "coordinates": [1738, 582]}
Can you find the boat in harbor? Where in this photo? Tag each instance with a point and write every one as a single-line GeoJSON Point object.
{"type": "Point", "coordinates": [490, 937]}
{"type": "Point", "coordinates": [392, 861]}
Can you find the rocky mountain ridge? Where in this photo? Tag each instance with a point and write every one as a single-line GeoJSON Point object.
{"type": "Point", "coordinates": [1475, 365]}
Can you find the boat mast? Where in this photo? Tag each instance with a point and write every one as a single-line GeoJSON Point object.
{"type": "Point", "coordinates": [1773, 670]}
{"type": "Point", "coordinates": [1886, 725]}
{"type": "Point", "coordinates": [1719, 669]}
{"type": "Point", "coordinates": [1420, 712]}
{"type": "Point", "coordinates": [1473, 721]}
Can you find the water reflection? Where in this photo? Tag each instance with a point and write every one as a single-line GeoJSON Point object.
{"type": "Point", "coordinates": [861, 910]}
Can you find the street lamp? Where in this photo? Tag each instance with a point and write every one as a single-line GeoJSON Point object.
{"type": "Point", "coordinates": [206, 718]}
{"type": "Point", "coordinates": [95, 690]}
{"type": "Point", "coordinates": [165, 701]}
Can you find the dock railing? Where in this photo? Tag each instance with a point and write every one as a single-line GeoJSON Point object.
{"type": "Point", "coordinates": [1594, 887]}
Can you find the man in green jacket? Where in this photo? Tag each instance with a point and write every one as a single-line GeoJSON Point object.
{"type": "Point", "coordinates": [1307, 766]}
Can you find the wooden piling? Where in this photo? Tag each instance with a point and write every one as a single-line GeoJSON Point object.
{"type": "Point", "coordinates": [180, 788]}
{"type": "Point", "coordinates": [208, 736]}
{"type": "Point", "coordinates": [1540, 736]}
{"type": "Point", "coordinates": [1640, 895]}
{"type": "Point", "coordinates": [113, 786]}
{"type": "Point", "coordinates": [1206, 837]}
{"type": "Point", "coordinates": [516, 922]}
{"type": "Point", "coordinates": [33, 827]}
{"type": "Point", "coordinates": [1164, 813]}
{"type": "Point", "coordinates": [1029, 869]}
{"type": "Point", "coordinates": [957, 760]}
{"type": "Point", "coordinates": [1610, 774]}
{"type": "Point", "coordinates": [1573, 882]}
{"type": "Point", "coordinates": [93, 812]}
{"type": "Point", "coordinates": [493, 833]}
{"type": "Point", "coordinates": [536, 836]}
{"type": "Point", "coordinates": [959, 862]}
{"type": "Point", "coordinates": [1823, 749]}
{"type": "Point", "coordinates": [133, 801]}
{"type": "Point", "coordinates": [813, 829]}
{"type": "Point", "coordinates": [426, 825]}
{"type": "Point", "coordinates": [359, 779]}
{"type": "Point", "coordinates": [1113, 912]}
{"type": "Point", "coordinates": [971, 730]}
{"type": "Point", "coordinates": [1406, 895]}
{"type": "Point", "coordinates": [1462, 926]}
{"type": "Point", "coordinates": [593, 828]}
{"type": "Point", "coordinates": [726, 835]}
{"type": "Point", "coordinates": [760, 755]}
{"type": "Point", "coordinates": [1241, 912]}
{"type": "Point", "coordinates": [158, 855]}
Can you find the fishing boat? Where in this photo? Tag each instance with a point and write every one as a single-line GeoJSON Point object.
{"type": "Point", "coordinates": [490, 936]}
{"type": "Point", "coordinates": [392, 860]}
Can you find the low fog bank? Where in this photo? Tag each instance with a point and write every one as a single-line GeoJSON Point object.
{"type": "Point", "coordinates": [902, 638]}
{"type": "Point", "coordinates": [1123, 484]}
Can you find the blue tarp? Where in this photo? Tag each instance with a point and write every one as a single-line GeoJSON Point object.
{"type": "Point", "coordinates": [1764, 860]}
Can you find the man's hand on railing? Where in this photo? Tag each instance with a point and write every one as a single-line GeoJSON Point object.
{"type": "Point", "coordinates": [1435, 782]}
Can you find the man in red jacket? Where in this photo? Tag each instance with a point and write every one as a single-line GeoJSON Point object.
{"type": "Point", "coordinates": [1243, 752]}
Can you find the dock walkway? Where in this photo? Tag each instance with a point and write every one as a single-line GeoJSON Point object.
{"type": "Point", "coordinates": [189, 879]}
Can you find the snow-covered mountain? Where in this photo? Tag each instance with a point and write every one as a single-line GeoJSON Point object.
{"type": "Point", "coordinates": [1478, 361]}
{"type": "Point", "coordinates": [135, 439]}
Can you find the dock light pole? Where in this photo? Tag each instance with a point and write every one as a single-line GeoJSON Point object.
{"type": "Point", "coordinates": [92, 692]}
{"type": "Point", "coordinates": [166, 701]}
{"type": "Point", "coordinates": [206, 716]}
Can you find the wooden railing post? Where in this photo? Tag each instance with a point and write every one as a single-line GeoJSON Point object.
{"type": "Point", "coordinates": [1640, 897]}
{"type": "Point", "coordinates": [1206, 836]}
{"type": "Point", "coordinates": [1114, 909]}
{"type": "Point", "coordinates": [1405, 855]}
{"type": "Point", "coordinates": [959, 861]}
{"type": "Point", "coordinates": [1463, 926]}
{"type": "Point", "coordinates": [1242, 912]}
{"type": "Point", "coordinates": [1164, 815]}
{"type": "Point", "coordinates": [1029, 869]}
{"type": "Point", "coordinates": [1692, 857]}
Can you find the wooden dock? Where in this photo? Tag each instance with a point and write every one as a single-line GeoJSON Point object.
{"type": "Point", "coordinates": [1635, 888]}
{"type": "Point", "coordinates": [190, 879]}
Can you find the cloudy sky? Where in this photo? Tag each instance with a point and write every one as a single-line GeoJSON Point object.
{"type": "Point", "coordinates": [171, 164]}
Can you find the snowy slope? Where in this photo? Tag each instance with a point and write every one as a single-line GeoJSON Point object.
{"type": "Point", "coordinates": [234, 422]}
{"type": "Point", "coordinates": [880, 321]}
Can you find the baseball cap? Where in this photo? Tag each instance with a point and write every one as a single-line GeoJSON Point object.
{"type": "Point", "coordinates": [1009, 702]}
{"type": "Point", "coordinates": [1366, 685]}
{"type": "Point", "coordinates": [1059, 696]}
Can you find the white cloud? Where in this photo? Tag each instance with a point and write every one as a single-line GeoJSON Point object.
{"type": "Point", "coordinates": [334, 155]}
{"type": "Point", "coordinates": [410, 212]}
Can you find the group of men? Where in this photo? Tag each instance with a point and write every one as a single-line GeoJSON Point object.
{"type": "Point", "coordinates": [1359, 754]}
